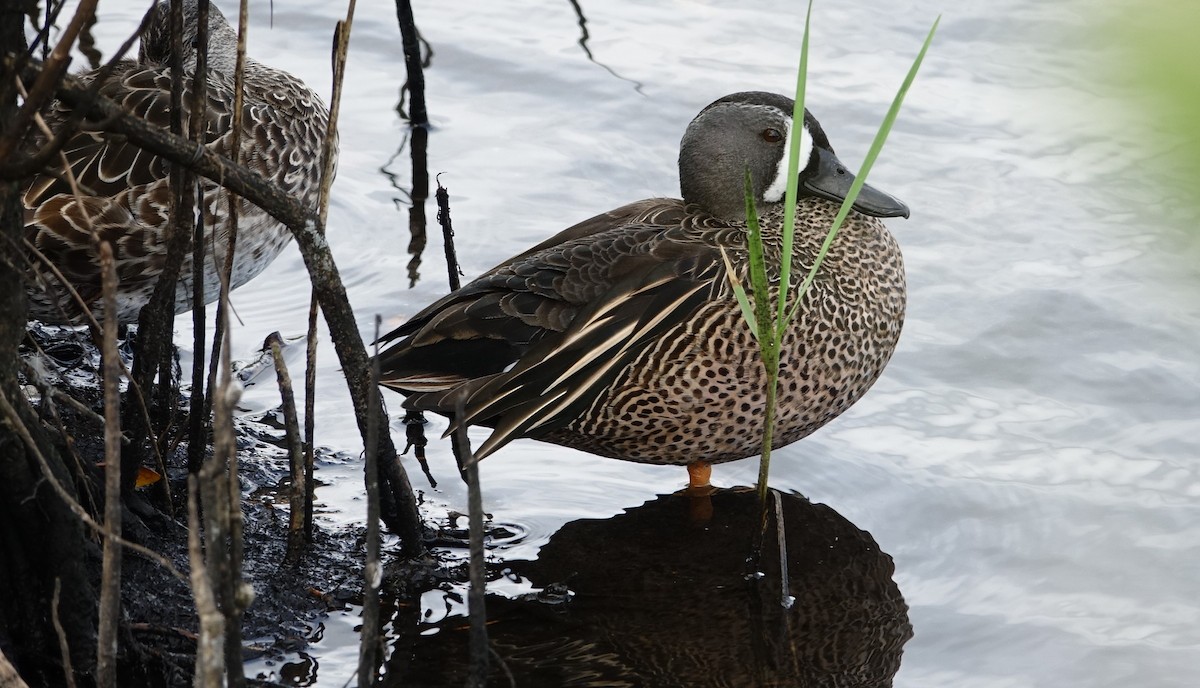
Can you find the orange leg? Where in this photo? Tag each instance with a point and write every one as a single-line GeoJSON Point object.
{"type": "Point", "coordinates": [700, 507]}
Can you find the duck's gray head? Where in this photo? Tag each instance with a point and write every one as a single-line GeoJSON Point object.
{"type": "Point", "coordinates": [753, 130]}
{"type": "Point", "coordinates": [155, 48]}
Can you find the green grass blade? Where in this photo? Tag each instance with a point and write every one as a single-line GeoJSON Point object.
{"type": "Point", "coordinates": [740, 292]}
{"type": "Point", "coordinates": [758, 267]}
{"type": "Point", "coordinates": [876, 146]}
{"type": "Point", "coordinates": [791, 197]}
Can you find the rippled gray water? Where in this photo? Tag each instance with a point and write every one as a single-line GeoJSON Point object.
{"type": "Point", "coordinates": [1029, 458]}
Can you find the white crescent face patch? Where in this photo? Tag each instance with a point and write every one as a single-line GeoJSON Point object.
{"type": "Point", "coordinates": [778, 187]}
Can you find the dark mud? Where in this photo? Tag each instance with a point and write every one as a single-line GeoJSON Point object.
{"type": "Point", "coordinates": [158, 640]}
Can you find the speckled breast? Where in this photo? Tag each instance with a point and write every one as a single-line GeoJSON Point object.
{"type": "Point", "coordinates": [699, 391]}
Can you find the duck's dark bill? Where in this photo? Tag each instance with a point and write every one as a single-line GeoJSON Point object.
{"type": "Point", "coordinates": [830, 179]}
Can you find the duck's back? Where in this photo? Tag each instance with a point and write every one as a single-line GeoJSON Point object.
{"type": "Point", "coordinates": [126, 195]}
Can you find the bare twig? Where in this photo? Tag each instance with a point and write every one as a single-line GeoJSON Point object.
{"type": "Point", "coordinates": [110, 586]}
{"type": "Point", "coordinates": [198, 410]}
{"type": "Point", "coordinates": [478, 672]}
{"type": "Point", "coordinates": [223, 513]}
{"type": "Point", "coordinates": [443, 217]}
{"type": "Point", "coordinates": [370, 647]}
{"type": "Point", "coordinates": [298, 490]}
{"type": "Point", "coordinates": [43, 87]}
{"type": "Point", "coordinates": [341, 46]}
{"type": "Point", "coordinates": [418, 118]}
{"type": "Point", "coordinates": [64, 647]}
{"type": "Point", "coordinates": [218, 503]}
{"type": "Point", "coordinates": [210, 650]}
{"type": "Point", "coordinates": [235, 145]}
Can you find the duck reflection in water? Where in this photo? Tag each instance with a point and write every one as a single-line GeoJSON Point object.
{"type": "Point", "coordinates": [669, 604]}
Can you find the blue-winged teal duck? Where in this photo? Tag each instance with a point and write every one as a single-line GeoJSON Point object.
{"type": "Point", "coordinates": [126, 191]}
{"type": "Point", "coordinates": [621, 336]}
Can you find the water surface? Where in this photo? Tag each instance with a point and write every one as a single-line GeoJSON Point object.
{"type": "Point", "coordinates": [1028, 458]}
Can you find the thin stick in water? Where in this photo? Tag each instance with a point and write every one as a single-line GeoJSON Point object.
{"type": "Point", "coordinates": [443, 218]}
{"type": "Point", "coordinates": [197, 402]}
{"type": "Point", "coordinates": [110, 585]}
{"type": "Point", "coordinates": [786, 599]}
{"type": "Point", "coordinates": [298, 490]}
{"type": "Point", "coordinates": [225, 274]}
{"type": "Point", "coordinates": [341, 45]}
{"type": "Point", "coordinates": [415, 86]}
{"type": "Point", "coordinates": [370, 650]}
{"type": "Point", "coordinates": [477, 676]}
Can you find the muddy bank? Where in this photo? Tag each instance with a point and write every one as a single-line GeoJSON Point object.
{"type": "Point", "coordinates": [159, 619]}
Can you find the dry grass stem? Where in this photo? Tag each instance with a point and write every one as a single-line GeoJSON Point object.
{"type": "Point", "coordinates": [221, 492]}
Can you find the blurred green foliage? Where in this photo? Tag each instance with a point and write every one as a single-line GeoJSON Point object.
{"type": "Point", "coordinates": [1158, 45]}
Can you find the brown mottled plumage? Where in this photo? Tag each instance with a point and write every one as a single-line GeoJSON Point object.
{"type": "Point", "coordinates": [621, 336]}
{"type": "Point", "coordinates": [125, 189]}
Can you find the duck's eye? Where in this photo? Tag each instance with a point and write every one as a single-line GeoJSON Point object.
{"type": "Point", "coordinates": [772, 135]}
